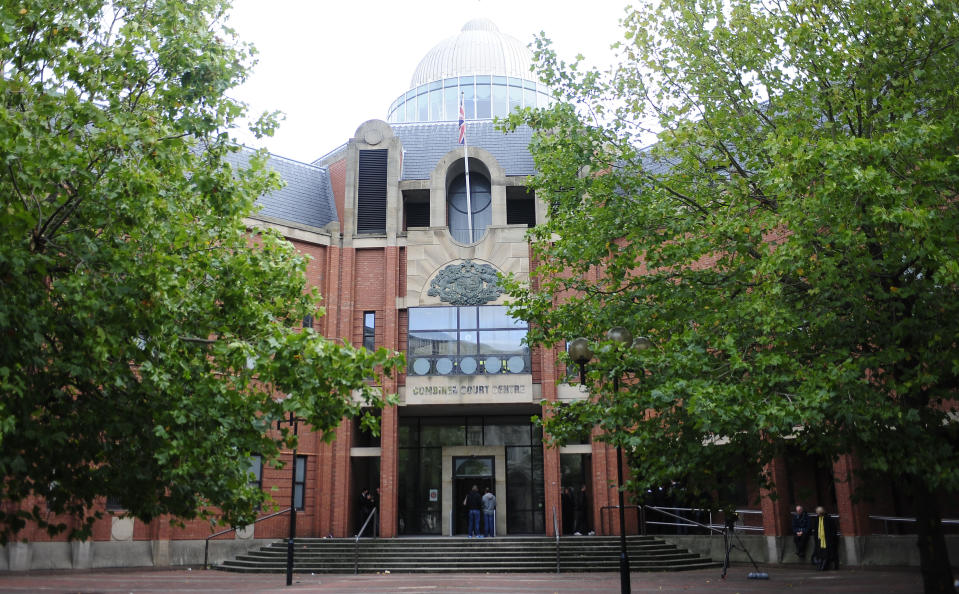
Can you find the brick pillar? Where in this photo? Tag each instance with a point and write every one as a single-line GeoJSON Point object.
{"type": "Point", "coordinates": [340, 482]}
{"type": "Point", "coordinates": [853, 516]}
{"type": "Point", "coordinates": [552, 472]}
{"type": "Point", "coordinates": [775, 508]}
{"type": "Point", "coordinates": [389, 436]}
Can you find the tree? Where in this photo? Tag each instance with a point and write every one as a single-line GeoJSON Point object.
{"type": "Point", "coordinates": [147, 335]}
{"type": "Point", "coordinates": [788, 244]}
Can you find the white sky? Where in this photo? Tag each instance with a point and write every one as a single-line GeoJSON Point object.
{"type": "Point", "coordinates": [330, 66]}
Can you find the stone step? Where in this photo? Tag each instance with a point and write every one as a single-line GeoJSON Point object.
{"type": "Point", "coordinates": [446, 554]}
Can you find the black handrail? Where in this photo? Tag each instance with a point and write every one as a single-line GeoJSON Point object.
{"type": "Point", "coordinates": [206, 545]}
{"type": "Point", "coordinates": [356, 542]}
{"type": "Point", "coordinates": [556, 533]}
{"type": "Point", "coordinates": [605, 507]}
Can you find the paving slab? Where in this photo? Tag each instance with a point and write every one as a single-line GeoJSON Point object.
{"type": "Point", "coordinates": [781, 579]}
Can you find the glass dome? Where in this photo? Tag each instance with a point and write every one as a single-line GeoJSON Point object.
{"type": "Point", "coordinates": [490, 69]}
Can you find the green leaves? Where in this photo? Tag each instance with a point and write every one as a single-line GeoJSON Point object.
{"type": "Point", "coordinates": [789, 244]}
{"type": "Point", "coordinates": [146, 336]}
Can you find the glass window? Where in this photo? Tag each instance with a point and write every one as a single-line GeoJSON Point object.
{"type": "Point", "coordinates": [422, 108]}
{"type": "Point", "coordinates": [369, 330]}
{"type": "Point", "coordinates": [499, 342]}
{"type": "Point", "coordinates": [529, 98]}
{"type": "Point", "coordinates": [515, 97]}
{"type": "Point", "coordinates": [466, 88]}
{"type": "Point", "coordinates": [480, 202]}
{"type": "Point", "coordinates": [299, 482]}
{"type": "Point", "coordinates": [495, 316]}
{"type": "Point", "coordinates": [468, 317]}
{"type": "Point", "coordinates": [256, 471]}
{"type": "Point", "coordinates": [451, 98]}
{"type": "Point", "coordinates": [500, 102]}
{"type": "Point", "coordinates": [436, 105]}
{"type": "Point", "coordinates": [432, 318]}
{"type": "Point", "coordinates": [454, 340]}
{"type": "Point", "coordinates": [410, 110]}
{"type": "Point", "coordinates": [483, 109]}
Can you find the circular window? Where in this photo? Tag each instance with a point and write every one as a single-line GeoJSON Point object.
{"type": "Point", "coordinates": [493, 365]}
{"type": "Point", "coordinates": [468, 365]}
{"type": "Point", "coordinates": [444, 366]}
{"type": "Point", "coordinates": [515, 364]}
{"type": "Point", "coordinates": [421, 366]}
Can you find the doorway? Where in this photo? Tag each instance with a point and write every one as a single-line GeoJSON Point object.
{"type": "Point", "coordinates": [467, 472]}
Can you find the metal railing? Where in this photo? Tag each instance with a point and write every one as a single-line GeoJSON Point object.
{"type": "Point", "coordinates": [679, 520]}
{"type": "Point", "coordinates": [908, 522]}
{"type": "Point", "coordinates": [356, 541]}
{"type": "Point", "coordinates": [556, 534]}
{"type": "Point", "coordinates": [602, 515]}
{"type": "Point", "coordinates": [206, 545]}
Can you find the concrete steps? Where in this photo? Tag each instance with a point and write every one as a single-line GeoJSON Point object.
{"type": "Point", "coordinates": [458, 554]}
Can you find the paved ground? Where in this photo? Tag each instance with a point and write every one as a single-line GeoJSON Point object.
{"type": "Point", "coordinates": [781, 579]}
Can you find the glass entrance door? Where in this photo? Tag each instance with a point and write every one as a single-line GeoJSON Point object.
{"type": "Point", "coordinates": [467, 472]}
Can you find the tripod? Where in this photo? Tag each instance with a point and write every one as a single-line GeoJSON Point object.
{"type": "Point", "coordinates": [729, 546]}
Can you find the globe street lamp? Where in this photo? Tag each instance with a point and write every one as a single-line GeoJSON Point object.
{"type": "Point", "coordinates": [581, 354]}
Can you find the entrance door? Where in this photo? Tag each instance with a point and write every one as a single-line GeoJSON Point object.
{"type": "Point", "coordinates": [469, 471]}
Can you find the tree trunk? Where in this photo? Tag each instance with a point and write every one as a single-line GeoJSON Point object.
{"type": "Point", "coordinates": [933, 555]}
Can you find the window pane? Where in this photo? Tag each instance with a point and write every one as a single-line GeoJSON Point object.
{"type": "Point", "coordinates": [467, 317]}
{"type": "Point", "coordinates": [422, 107]}
{"type": "Point", "coordinates": [300, 468]}
{"type": "Point", "coordinates": [495, 316]}
{"type": "Point", "coordinates": [493, 342]}
{"type": "Point", "coordinates": [482, 101]}
{"type": "Point", "coordinates": [529, 98]}
{"type": "Point", "coordinates": [432, 318]}
{"type": "Point", "coordinates": [515, 97]}
{"type": "Point", "coordinates": [452, 100]}
{"type": "Point", "coordinates": [466, 87]}
{"type": "Point", "coordinates": [436, 105]}
{"type": "Point", "coordinates": [468, 344]}
{"type": "Point", "coordinates": [432, 343]}
{"type": "Point", "coordinates": [499, 101]}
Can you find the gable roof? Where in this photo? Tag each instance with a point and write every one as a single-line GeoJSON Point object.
{"type": "Point", "coordinates": [306, 197]}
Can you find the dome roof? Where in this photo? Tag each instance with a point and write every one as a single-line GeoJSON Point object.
{"type": "Point", "coordinates": [479, 48]}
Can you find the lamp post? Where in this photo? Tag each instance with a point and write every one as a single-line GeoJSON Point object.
{"type": "Point", "coordinates": [580, 353]}
{"type": "Point", "coordinates": [294, 422]}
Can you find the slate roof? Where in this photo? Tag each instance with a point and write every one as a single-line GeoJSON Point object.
{"type": "Point", "coordinates": [425, 143]}
{"type": "Point", "coordinates": [307, 196]}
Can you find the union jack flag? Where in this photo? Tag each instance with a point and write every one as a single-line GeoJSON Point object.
{"type": "Point", "coordinates": [462, 121]}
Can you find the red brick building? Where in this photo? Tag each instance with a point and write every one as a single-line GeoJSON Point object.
{"type": "Point", "coordinates": [407, 259]}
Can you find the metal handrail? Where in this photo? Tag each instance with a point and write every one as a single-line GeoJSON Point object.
{"type": "Point", "coordinates": [356, 542]}
{"type": "Point", "coordinates": [907, 520]}
{"type": "Point", "coordinates": [661, 510]}
{"type": "Point", "coordinates": [206, 546]}
{"type": "Point", "coordinates": [712, 526]}
{"type": "Point", "coordinates": [605, 507]}
{"type": "Point", "coordinates": [556, 534]}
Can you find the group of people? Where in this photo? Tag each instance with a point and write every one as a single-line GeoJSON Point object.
{"type": "Point", "coordinates": [477, 503]}
{"type": "Point", "coordinates": [821, 529]}
{"type": "Point", "coordinates": [574, 511]}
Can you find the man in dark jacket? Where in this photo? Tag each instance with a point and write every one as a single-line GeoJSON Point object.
{"type": "Point", "coordinates": [474, 503]}
{"type": "Point", "coordinates": [801, 531]}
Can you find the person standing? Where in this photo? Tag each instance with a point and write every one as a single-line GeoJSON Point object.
{"type": "Point", "coordinates": [579, 509]}
{"type": "Point", "coordinates": [474, 503]}
{"type": "Point", "coordinates": [567, 499]}
{"type": "Point", "coordinates": [489, 513]}
{"type": "Point", "coordinates": [800, 531]}
{"type": "Point", "coordinates": [825, 540]}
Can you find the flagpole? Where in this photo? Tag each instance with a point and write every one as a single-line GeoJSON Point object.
{"type": "Point", "coordinates": [466, 163]}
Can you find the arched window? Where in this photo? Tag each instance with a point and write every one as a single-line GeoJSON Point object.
{"type": "Point", "coordinates": [480, 201]}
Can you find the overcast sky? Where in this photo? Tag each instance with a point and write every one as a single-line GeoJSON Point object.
{"type": "Point", "coordinates": [330, 66]}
